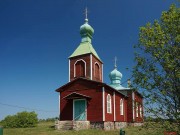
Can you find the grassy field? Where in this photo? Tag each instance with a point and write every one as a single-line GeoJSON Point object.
{"type": "Point", "coordinates": [46, 128]}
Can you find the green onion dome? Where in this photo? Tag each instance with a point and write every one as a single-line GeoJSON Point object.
{"type": "Point", "coordinates": [86, 31]}
{"type": "Point", "coordinates": [115, 76]}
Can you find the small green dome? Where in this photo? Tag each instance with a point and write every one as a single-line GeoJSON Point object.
{"type": "Point", "coordinates": [86, 30]}
{"type": "Point", "coordinates": [115, 75]}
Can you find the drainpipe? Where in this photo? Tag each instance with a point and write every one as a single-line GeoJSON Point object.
{"type": "Point", "coordinates": [114, 106]}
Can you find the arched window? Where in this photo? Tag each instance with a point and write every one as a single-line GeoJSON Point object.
{"type": "Point", "coordinates": [140, 110]}
{"type": "Point", "coordinates": [109, 110]}
{"type": "Point", "coordinates": [121, 106]}
{"type": "Point", "coordinates": [136, 109]}
{"type": "Point", "coordinates": [80, 69]}
{"type": "Point", "coordinates": [96, 71]}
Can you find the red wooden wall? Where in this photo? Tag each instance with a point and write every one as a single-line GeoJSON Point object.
{"type": "Point", "coordinates": [118, 116]}
{"type": "Point", "coordinates": [139, 100]}
{"type": "Point", "coordinates": [94, 105]}
{"type": "Point", "coordinates": [129, 107]}
{"type": "Point", "coordinates": [86, 58]}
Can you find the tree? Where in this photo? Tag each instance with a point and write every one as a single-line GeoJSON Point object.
{"type": "Point", "coordinates": [157, 68]}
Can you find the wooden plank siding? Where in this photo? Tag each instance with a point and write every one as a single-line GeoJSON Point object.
{"type": "Point", "coordinates": [93, 91]}
{"type": "Point", "coordinates": [94, 105]}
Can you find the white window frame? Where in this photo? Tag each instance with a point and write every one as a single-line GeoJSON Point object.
{"type": "Point", "coordinates": [109, 104]}
{"type": "Point", "coordinates": [140, 110]}
{"type": "Point", "coordinates": [75, 66]}
{"type": "Point", "coordinates": [133, 105]}
{"type": "Point", "coordinates": [103, 102]}
{"type": "Point", "coordinates": [95, 70]}
{"type": "Point", "coordinates": [91, 66]}
{"type": "Point", "coordinates": [121, 106]}
{"type": "Point", "coordinates": [137, 109]}
{"type": "Point", "coordinates": [102, 73]}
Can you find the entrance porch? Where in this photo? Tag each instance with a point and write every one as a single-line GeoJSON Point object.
{"type": "Point", "coordinates": [72, 125]}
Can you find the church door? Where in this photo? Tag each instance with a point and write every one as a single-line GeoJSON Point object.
{"type": "Point", "coordinates": [80, 109]}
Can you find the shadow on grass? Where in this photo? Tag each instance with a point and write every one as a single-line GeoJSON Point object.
{"type": "Point", "coordinates": [52, 127]}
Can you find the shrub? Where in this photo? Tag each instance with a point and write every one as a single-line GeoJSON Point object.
{"type": "Point", "coordinates": [20, 120]}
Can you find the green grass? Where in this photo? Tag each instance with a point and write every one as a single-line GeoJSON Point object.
{"type": "Point", "coordinates": [46, 128]}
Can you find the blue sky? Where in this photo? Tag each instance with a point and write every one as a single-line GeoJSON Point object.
{"type": "Point", "coordinates": [38, 36]}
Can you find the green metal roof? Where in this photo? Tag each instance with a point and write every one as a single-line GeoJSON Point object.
{"type": "Point", "coordinates": [84, 48]}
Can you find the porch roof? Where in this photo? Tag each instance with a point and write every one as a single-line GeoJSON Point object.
{"type": "Point", "coordinates": [76, 95]}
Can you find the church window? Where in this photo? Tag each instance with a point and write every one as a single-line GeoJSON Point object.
{"type": "Point", "coordinates": [140, 110]}
{"type": "Point", "coordinates": [96, 71]}
{"type": "Point", "coordinates": [109, 110]}
{"type": "Point", "coordinates": [80, 68]}
{"type": "Point", "coordinates": [121, 106]}
{"type": "Point", "coordinates": [137, 109]}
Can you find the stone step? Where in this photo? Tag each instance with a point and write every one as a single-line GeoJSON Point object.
{"type": "Point", "coordinates": [72, 125]}
{"type": "Point", "coordinates": [68, 125]}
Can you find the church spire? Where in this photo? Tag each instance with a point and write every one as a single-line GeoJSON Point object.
{"type": "Point", "coordinates": [84, 61]}
{"type": "Point", "coordinates": [85, 46]}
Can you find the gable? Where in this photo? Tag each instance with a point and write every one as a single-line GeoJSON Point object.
{"type": "Point", "coordinates": [80, 84]}
{"type": "Point", "coordinates": [86, 84]}
{"type": "Point", "coordinates": [76, 95]}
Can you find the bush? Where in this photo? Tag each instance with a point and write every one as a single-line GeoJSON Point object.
{"type": "Point", "coordinates": [20, 120]}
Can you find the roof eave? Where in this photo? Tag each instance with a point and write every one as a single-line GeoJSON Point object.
{"type": "Point", "coordinates": [85, 54]}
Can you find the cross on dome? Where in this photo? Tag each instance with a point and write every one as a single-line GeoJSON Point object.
{"type": "Point", "coordinates": [86, 14]}
{"type": "Point", "coordinates": [115, 62]}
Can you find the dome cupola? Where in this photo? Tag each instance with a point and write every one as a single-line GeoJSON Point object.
{"type": "Point", "coordinates": [115, 76]}
{"type": "Point", "coordinates": [86, 29]}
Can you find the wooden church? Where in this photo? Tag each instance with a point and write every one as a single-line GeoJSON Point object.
{"type": "Point", "coordinates": [87, 102]}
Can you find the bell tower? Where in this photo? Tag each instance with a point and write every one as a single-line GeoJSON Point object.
{"type": "Point", "coordinates": [84, 61]}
